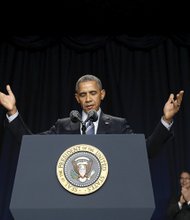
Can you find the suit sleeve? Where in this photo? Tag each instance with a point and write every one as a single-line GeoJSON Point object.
{"type": "Point", "coordinates": [173, 209]}
{"type": "Point", "coordinates": [18, 128]}
{"type": "Point", "coordinates": [155, 142]}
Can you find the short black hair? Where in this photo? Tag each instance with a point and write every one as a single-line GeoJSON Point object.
{"type": "Point", "coordinates": [86, 78]}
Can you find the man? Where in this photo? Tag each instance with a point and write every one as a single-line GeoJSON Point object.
{"type": "Point", "coordinates": [179, 207]}
{"type": "Point", "coordinates": [89, 94]}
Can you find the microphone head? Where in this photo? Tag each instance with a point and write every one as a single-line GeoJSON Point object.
{"type": "Point", "coordinates": [92, 115]}
{"type": "Point", "coordinates": [75, 116]}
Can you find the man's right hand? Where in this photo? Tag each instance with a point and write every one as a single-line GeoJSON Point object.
{"type": "Point", "coordinates": [8, 101]}
{"type": "Point", "coordinates": [186, 194]}
{"type": "Point", "coordinates": [182, 200]}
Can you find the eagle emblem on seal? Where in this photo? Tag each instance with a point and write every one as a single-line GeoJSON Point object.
{"type": "Point", "coordinates": [82, 169]}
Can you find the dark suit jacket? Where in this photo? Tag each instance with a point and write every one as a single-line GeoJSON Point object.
{"type": "Point", "coordinates": [107, 125]}
{"type": "Point", "coordinates": [175, 213]}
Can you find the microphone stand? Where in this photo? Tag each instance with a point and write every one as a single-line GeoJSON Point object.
{"type": "Point", "coordinates": [75, 117]}
{"type": "Point", "coordinates": [83, 128]}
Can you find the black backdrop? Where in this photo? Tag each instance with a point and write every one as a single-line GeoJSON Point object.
{"type": "Point", "coordinates": [138, 71]}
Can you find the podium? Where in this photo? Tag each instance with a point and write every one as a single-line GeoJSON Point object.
{"type": "Point", "coordinates": [126, 194]}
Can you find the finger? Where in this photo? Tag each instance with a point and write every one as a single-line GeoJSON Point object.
{"type": "Point", "coordinates": [9, 90]}
{"type": "Point", "coordinates": [179, 97]}
{"type": "Point", "coordinates": [180, 94]}
{"type": "Point", "coordinates": [171, 98]}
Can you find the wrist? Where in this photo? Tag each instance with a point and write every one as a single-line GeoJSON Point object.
{"type": "Point", "coordinates": [167, 120]}
{"type": "Point", "coordinates": [12, 111]}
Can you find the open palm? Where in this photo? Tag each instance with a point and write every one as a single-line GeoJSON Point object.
{"type": "Point", "coordinates": [8, 101]}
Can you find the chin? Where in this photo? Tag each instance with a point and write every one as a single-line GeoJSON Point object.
{"type": "Point", "coordinates": [90, 109]}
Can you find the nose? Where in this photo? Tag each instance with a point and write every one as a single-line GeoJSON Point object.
{"type": "Point", "coordinates": [88, 98]}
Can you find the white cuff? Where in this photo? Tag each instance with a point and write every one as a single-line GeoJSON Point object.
{"type": "Point", "coordinates": [180, 205]}
{"type": "Point", "coordinates": [12, 117]}
{"type": "Point", "coordinates": [168, 126]}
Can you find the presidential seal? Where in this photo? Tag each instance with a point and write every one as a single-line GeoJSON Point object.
{"type": "Point", "coordinates": [82, 169]}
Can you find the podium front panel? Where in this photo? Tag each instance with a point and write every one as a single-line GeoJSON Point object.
{"type": "Point", "coordinates": [126, 194]}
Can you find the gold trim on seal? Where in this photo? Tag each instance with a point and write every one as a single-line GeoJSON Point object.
{"type": "Point", "coordinates": [81, 169]}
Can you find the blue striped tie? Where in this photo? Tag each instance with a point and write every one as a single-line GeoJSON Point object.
{"type": "Point", "coordinates": [89, 128]}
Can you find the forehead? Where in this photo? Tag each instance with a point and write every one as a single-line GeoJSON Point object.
{"type": "Point", "coordinates": [88, 85]}
{"type": "Point", "coordinates": [185, 174]}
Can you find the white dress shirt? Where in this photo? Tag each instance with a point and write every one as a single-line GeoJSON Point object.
{"type": "Point", "coordinates": [84, 117]}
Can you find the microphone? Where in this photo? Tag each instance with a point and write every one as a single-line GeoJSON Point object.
{"type": "Point", "coordinates": [92, 116]}
{"type": "Point", "coordinates": [75, 116]}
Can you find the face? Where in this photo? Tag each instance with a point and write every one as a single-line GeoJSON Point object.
{"type": "Point", "coordinates": [185, 180]}
{"type": "Point", "coordinates": [89, 95]}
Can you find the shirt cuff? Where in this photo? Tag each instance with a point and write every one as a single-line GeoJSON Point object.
{"type": "Point", "coordinates": [180, 205]}
{"type": "Point", "coordinates": [12, 117]}
{"type": "Point", "coordinates": [167, 125]}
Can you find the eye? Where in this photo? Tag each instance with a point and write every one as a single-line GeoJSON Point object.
{"type": "Point", "coordinates": [82, 94]}
{"type": "Point", "coordinates": [93, 93]}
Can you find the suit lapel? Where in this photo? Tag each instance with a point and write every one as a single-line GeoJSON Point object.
{"type": "Point", "coordinates": [104, 124]}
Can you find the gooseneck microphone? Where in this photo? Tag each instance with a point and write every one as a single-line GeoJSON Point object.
{"type": "Point", "coordinates": [92, 116]}
{"type": "Point", "coordinates": [76, 117]}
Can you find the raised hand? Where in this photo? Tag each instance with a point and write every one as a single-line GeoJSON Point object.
{"type": "Point", "coordinates": [8, 101]}
{"type": "Point", "coordinates": [172, 106]}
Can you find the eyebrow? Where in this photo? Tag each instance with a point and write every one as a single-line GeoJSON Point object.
{"type": "Point", "coordinates": [88, 92]}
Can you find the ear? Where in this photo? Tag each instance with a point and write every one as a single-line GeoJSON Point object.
{"type": "Point", "coordinates": [76, 97]}
{"type": "Point", "coordinates": [103, 94]}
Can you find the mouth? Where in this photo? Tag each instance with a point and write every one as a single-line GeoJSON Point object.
{"type": "Point", "coordinates": [89, 107]}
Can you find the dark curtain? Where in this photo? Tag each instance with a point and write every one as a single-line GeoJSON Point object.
{"type": "Point", "coordinates": [138, 72]}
